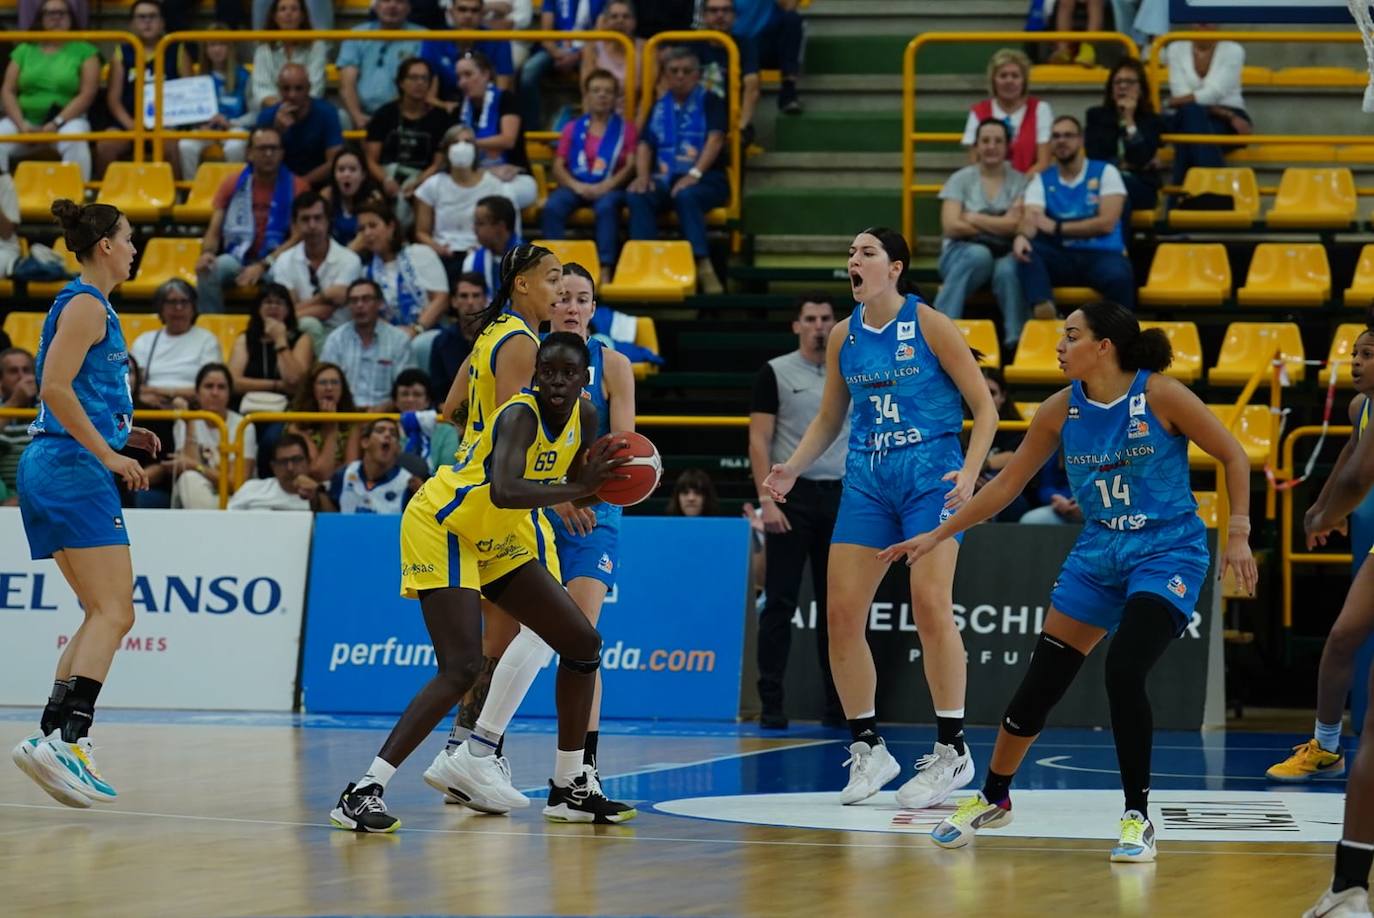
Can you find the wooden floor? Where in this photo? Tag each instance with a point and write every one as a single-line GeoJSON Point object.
{"type": "Point", "coordinates": [228, 816]}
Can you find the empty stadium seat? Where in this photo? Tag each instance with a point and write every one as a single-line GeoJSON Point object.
{"type": "Point", "coordinates": [981, 335]}
{"type": "Point", "coordinates": [200, 199]}
{"type": "Point", "coordinates": [1027, 409]}
{"type": "Point", "coordinates": [224, 326]}
{"type": "Point", "coordinates": [1360, 293]}
{"type": "Point", "coordinates": [1249, 345]}
{"type": "Point", "coordinates": [1073, 74]}
{"type": "Point", "coordinates": [1287, 274]}
{"type": "Point", "coordinates": [163, 260]}
{"type": "Point", "coordinates": [145, 192]}
{"type": "Point", "coordinates": [38, 184]}
{"type": "Point", "coordinates": [653, 270]}
{"type": "Point", "coordinates": [582, 251]}
{"type": "Point", "coordinates": [1253, 429]}
{"type": "Point", "coordinates": [1320, 76]}
{"type": "Point", "coordinates": [45, 290]}
{"type": "Point", "coordinates": [1314, 199]}
{"type": "Point", "coordinates": [1187, 344]}
{"type": "Point", "coordinates": [134, 324]}
{"type": "Point", "coordinates": [1284, 153]}
{"type": "Point", "coordinates": [1036, 360]}
{"type": "Point", "coordinates": [1207, 507]}
{"type": "Point", "coordinates": [1075, 296]}
{"type": "Point", "coordinates": [646, 336]}
{"type": "Point", "coordinates": [1342, 343]}
{"type": "Point", "coordinates": [1188, 275]}
{"type": "Point", "coordinates": [24, 329]}
{"type": "Point", "coordinates": [1239, 183]}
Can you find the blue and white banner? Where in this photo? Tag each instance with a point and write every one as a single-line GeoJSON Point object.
{"type": "Point", "coordinates": [1183, 13]}
{"type": "Point", "coordinates": [672, 627]}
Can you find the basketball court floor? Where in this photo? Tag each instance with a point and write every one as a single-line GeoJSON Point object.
{"type": "Point", "coordinates": [228, 815]}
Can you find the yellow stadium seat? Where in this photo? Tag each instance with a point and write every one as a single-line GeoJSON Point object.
{"type": "Point", "coordinates": [981, 335]}
{"type": "Point", "coordinates": [1314, 199]}
{"type": "Point", "coordinates": [163, 260]}
{"type": "Point", "coordinates": [45, 290]}
{"type": "Point", "coordinates": [1036, 360]}
{"type": "Point", "coordinates": [145, 192]}
{"type": "Point", "coordinates": [1187, 344]}
{"type": "Point", "coordinates": [1320, 76]}
{"type": "Point", "coordinates": [1042, 74]}
{"type": "Point", "coordinates": [1250, 345]}
{"type": "Point", "coordinates": [1253, 429]}
{"type": "Point", "coordinates": [200, 200]}
{"type": "Point", "coordinates": [38, 184]}
{"type": "Point", "coordinates": [134, 324]}
{"type": "Point", "coordinates": [653, 270]}
{"type": "Point", "coordinates": [1239, 183]}
{"type": "Point", "coordinates": [1342, 344]}
{"type": "Point", "coordinates": [1207, 507]}
{"type": "Point", "coordinates": [1143, 219]}
{"type": "Point", "coordinates": [1361, 290]}
{"type": "Point", "coordinates": [1284, 153]}
{"type": "Point", "coordinates": [1188, 275]}
{"type": "Point", "coordinates": [1075, 296]}
{"type": "Point", "coordinates": [1027, 409]}
{"type": "Point", "coordinates": [1287, 274]}
{"type": "Point", "coordinates": [224, 326]}
{"type": "Point", "coordinates": [646, 336]}
{"type": "Point", "coordinates": [24, 329]}
{"type": "Point", "coordinates": [541, 184]}
{"type": "Point", "coordinates": [581, 251]}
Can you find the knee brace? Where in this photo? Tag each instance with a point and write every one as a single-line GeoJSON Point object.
{"type": "Point", "coordinates": [581, 667]}
{"type": "Point", "coordinates": [1053, 667]}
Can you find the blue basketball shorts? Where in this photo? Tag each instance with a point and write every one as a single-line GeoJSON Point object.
{"type": "Point", "coordinates": [595, 555]}
{"type": "Point", "coordinates": [894, 495]}
{"type": "Point", "coordinates": [67, 498]}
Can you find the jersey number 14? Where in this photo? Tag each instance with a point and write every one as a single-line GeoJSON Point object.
{"type": "Point", "coordinates": [1118, 490]}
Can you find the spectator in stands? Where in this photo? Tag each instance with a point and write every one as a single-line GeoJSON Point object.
{"type": "Point", "coordinates": [199, 447]}
{"type": "Point", "coordinates": [494, 224]}
{"type": "Point", "coordinates": [251, 222]}
{"type": "Point", "coordinates": [271, 58]}
{"type": "Point", "coordinates": [1124, 131]}
{"type": "Point", "coordinates": [372, 353]}
{"type": "Point", "coordinates": [616, 16]}
{"type": "Point", "coordinates": [1027, 118]}
{"type": "Point", "coordinates": [50, 86]}
{"type": "Point", "coordinates": [413, 281]}
{"type": "Point", "coordinates": [1070, 231]}
{"type": "Point", "coordinates": [680, 162]}
{"type": "Point", "coordinates": [563, 58]}
{"type": "Point", "coordinates": [1057, 503]}
{"type": "Point", "coordinates": [331, 445]}
{"type": "Point", "coordinates": [1063, 22]}
{"type": "Point", "coordinates": [777, 31]}
{"type": "Point", "coordinates": [664, 16]}
{"type": "Point", "coordinates": [309, 127]}
{"type": "Point", "coordinates": [376, 483]}
{"type": "Point", "coordinates": [498, 131]}
{"type": "Point", "coordinates": [31, 14]}
{"type": "Point", "coordinates": [220, 59]}
{"type": "Point", "coordinates": [693, 495]}
{"type": "Point", "coordinates": [592, 166]}
{"type": "Point", "coordinates": [9, 224]}
{"type": "Point", "coordinates": [980, 210]}
{"type": "Point", "coordinates": [148, 27]}
{"type": "Point", "coordinates": [1004, 443]}
{"type": "Point", "coordinates": [287, 488]}
{"type": "Point", "coordinates": [316, 270]}
{"type": "Point", "coordinates": [349, 188]}
{"type": "Point", "coordinates": [443, 56]}
{"type": "Point", "coordinates": [1204, 94]}
{"type": "Point", "coordinates": [171, 356]}
{"type": "Point", "coordinates": [321, 13]}
{"type": "Point", "coordinates": [367, 69]}
{"type": "Point", "coordinates": [719, 16]}
{"type": "Point", "coordinates": [272, 356]}
{"type": "Point", "coordinates": [454, 341]}
{"type": "Point", "coordinates": [508, 15]}
{"type": "Point", "coordinates": [446, 203]}
{"type": "Point", "coordinates": [18, 389]}
{"type": "Point", "coordinates": [404, 138]}
{"type": "Point", "coordinates": [423, 435]}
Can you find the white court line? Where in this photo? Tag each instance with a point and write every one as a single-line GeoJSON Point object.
{"type": "Point", "coordinates": [1056, 761]}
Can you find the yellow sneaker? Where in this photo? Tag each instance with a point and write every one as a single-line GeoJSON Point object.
{"type": "Point", "coordinates": [1307, 761]}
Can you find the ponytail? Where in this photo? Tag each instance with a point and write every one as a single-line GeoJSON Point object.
{"type": "Point", "coordinates": [1136, 349]}
{"type": "Point", "coordinates": [83, 225]}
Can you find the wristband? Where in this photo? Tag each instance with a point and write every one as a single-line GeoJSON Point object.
{"type": "Point", "coordinates": [765, 499]}
{"type": "Point", "coordinates": [59, 120]}
{"type": "Point", "coordinates": [1239, 523]}
{"type": "Point", "coordinates": [695, 173]}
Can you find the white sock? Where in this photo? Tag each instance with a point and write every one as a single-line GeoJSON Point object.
{"type": "Point", "coordinates": [566, 767]}
{"type": "Point", "coordinates": [511, 681]}
{"type": "Point", "coordinates": [1328, 736]}
{"type": "Point", "coordinates": [379, 772]}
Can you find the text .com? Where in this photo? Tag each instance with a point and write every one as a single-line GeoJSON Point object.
{"type": "Point", "coordinates": [393, 652]}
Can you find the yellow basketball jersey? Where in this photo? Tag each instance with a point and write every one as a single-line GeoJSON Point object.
{"type": "Point", "coordinates": [1364, 415]}
{"type": "Point", "coordinates": [482, 404]}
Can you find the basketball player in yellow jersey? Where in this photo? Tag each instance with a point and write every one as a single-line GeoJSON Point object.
{"type": "Point", "coordinates": [477, 527]}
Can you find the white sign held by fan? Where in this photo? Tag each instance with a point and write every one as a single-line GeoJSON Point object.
{"type": "Point", "coordinates": [189, 100]}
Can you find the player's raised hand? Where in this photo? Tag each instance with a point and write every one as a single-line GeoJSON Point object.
{"type": "Point", "coordinates": [779, 481]}
{"type": "Point", "coordinates": [910, 551]}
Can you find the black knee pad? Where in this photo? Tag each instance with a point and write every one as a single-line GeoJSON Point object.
{"type": "Point", "coordinates": [1149, 625]}
{"type": "Point", "coordinates": [1053, 667]}
{"type": "Point", "coordinates": [581, 667]}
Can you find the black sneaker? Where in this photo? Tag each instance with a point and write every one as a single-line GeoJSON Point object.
{"type": "Point", "coordinates": [788, 101]}
{"type": "Point", "coordinates": [361, 810]}
{"type": "Point", "coordinates": [773, 720]}
{"type": "Point", "coordinates": [583, 801]}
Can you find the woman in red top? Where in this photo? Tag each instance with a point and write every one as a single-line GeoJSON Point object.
{"type": "Point", "coordinates": [1027, 118]}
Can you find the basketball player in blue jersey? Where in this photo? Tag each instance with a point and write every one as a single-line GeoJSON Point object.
{"type": "Point", "coordinates": [1138, 566]}
{"type": "Point", "coordinates": [903, 371]}
{"type": "Point", "coordinates": [67, 493]}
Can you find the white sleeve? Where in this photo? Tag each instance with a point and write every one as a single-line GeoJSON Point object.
{"type": "Point", "coordinates": [1112, 183]}
{"type": "Point", "coordinates": [1035, 193]}
{"type": "Point", "coordinates": [350, 268]}
{"type": "Point", "coordinates": [264, 76]}
{"type": "Point", "coordinates": [250, 448]}
{"type": "Point", "coordinates": [429, 270]}
{"type": "Point", "coordinates": [1044, 120]}
{"type": "Point", "coordinates": [1223, 77]}
{"type": "Point", "coordinates": [9, 199]}
{"type": "Point", "coordinates": [470, 261]}
{"type": "Point", "coordinates": [314, 68]}
{"type": "Point", "coordinates": [140, 351]}
{"type": "Point", "coordinates": [429, 191]}
{"type": "Point", "coordinates": [210, 351]}
{"type": "Point", "coordinates": [1180, 62]}
{"type": "Point", "coordinates": [330, 352]}
{"type": "Point", "coordinates": [970, 129]}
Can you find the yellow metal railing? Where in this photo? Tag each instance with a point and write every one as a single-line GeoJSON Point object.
{"type": "Point", "coordinates": [1287, 556]}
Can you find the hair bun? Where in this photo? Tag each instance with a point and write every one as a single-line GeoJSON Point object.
{"type": "Point", "coordinates": [66, 211]}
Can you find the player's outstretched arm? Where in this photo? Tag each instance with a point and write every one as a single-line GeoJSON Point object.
{"type": "Point", "coordinates": [516, 427]}
{"type": "Point", "coordinates": [824, 427]}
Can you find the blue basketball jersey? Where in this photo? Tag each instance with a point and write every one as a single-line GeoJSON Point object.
{"type": "Point", "coordinates": [101, 383]}
{"type": "Point", "coordinates": [900, 394]}
{"type": "Point", "coordinates": [596, 386]}
{"type": "Point", "coordinates": [1127, 473]}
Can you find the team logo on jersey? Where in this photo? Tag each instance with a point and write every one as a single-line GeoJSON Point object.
{"type": "Point", "coordinates": [1177, 586]}
{"type": "Point", "coordinates": [484, 545]}
{"type": "Point", "coordinates": [1138, 405]}
{"type": "Point", "coordinates": [119, 522]}
{"type": "Point", "coordinates": [605, 565]}
{"type": "Point", "coordinates": [1093, 184]}
{"type": "Point", "coordinates": [906, 331]}
{"type": "Point", "coordinates": [568, 440]}
{"type": "Point", "coordinates": [1137, 428]}
{"type": "Point", "coordinates": [946, 513]}
{"type": "Point", "coordinates": [1073, 412]}
{"type": "Point", "coordinates": [905, 352]}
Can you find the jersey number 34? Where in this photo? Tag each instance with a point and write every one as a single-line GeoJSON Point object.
{"type": "Point", "coordinates": [886, 408]}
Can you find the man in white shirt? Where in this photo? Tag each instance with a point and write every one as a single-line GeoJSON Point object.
{"type": "Point", "coordinates": [376, 483]}
{"type": "Point", "coordinates": [169, 359]}
{"type": "Point", "coordinates": [317, 270]}
{"type": "Point", "coordinates": [372, 353]}
{"type": "Point", "coordinates": [289, 488]}
{"type": "Point", "coordinates": [1071, 232]}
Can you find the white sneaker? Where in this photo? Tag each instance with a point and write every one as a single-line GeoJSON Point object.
{"type": "Point", "coordinates": [23, 756]}
{"type": "Point", "coordinates": [73, 765]}
{"type": "Point", "coordinates": [1137, 840]}
{"type": "Point", "coordinates": [870, 767]}
{"type": "Point", "coordinates": [482, 783]}
{"type": "Point", "coordinates": [937, 776]}
{"type": "Point", "coordinates": [1348, 903]}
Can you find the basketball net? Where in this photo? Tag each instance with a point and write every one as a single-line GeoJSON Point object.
{"type": "Point", "coordinates": [1360, 10]}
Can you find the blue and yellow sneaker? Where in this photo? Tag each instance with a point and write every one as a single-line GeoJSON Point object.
{"type": "Point", "coordinates": [73, 764]}
{"type": "Point", "coordinates": [974, 813]}
{"type": "Point", "coordinates": [55, 787]}
{"type": "Point", "coordinates": [1137, 842]}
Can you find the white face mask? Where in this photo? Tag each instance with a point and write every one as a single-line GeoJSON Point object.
{"type": "Point", "coordinates": [462, 154]}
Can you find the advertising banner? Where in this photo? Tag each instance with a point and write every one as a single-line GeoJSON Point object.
{"type": "Point", "coordinates": [671, 625]}
{"type": "Point", "coordinates": [1001, 596]}
{"type": "Point", "coordinates": [218, 599]}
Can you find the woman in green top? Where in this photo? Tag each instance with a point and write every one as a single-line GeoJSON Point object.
{"type": "Point", "coordinates": [48, 87]}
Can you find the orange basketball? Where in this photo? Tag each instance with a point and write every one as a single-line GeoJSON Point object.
{"type": "Point", "coordinates": [641, 473]}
